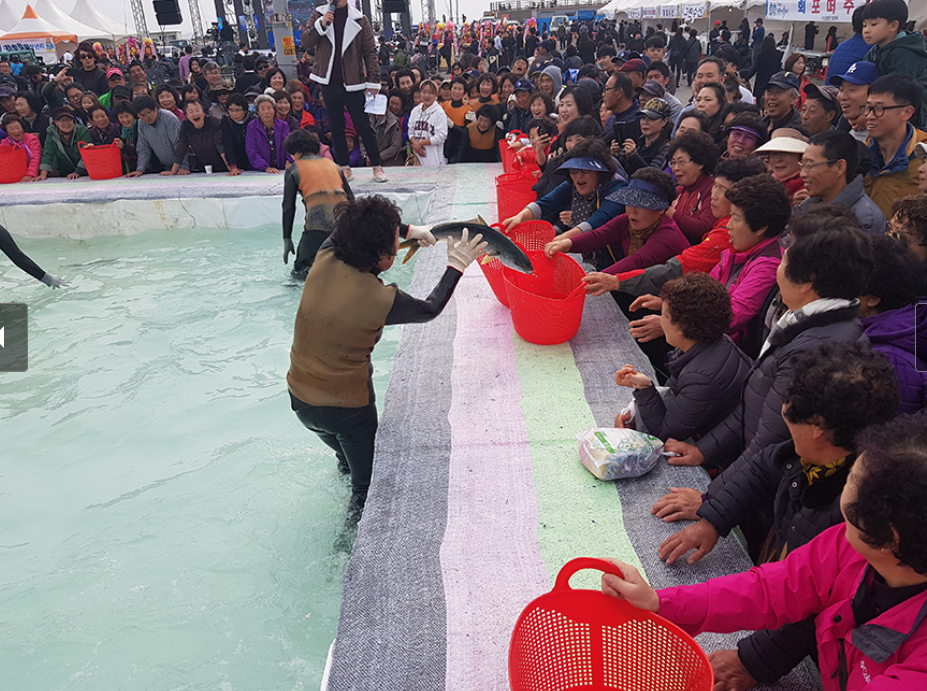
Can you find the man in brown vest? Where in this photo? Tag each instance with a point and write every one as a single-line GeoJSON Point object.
{"type": "Point", "coordinates": [341, 316]}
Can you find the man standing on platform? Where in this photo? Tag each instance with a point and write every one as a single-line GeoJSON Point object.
{"type": "Point", "coordinates": [347, 68]}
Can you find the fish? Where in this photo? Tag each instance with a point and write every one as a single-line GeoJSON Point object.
{"type": "Point", "coordinates": [500, 246]}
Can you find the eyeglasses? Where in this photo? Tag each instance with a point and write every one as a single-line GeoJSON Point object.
{"type": "Point", "coordinates": [878, 111]}
{"type": "Point", "coordinates": [676, 162]}
{"type": "Point", "coordinates": [807, 165]}
{"type": "Point", "coordinates": [903, 235]}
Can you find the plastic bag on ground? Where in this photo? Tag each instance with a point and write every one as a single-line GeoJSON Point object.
{"type": "Point", "coordinates": [612, 453]}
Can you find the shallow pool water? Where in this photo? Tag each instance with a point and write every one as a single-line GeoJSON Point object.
{"type": "Point", "coordinates": [165, 521]}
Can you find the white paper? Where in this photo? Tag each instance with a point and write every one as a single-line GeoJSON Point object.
{"type": "Point", "coordinates": [376, 105]}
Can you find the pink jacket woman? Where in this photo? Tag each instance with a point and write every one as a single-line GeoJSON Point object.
{"type": "Point", "coordinates": [748, 277]}
{"type": "Point", "coordinates": [888, 653]}
{"type": "Point", "coordinates": [33, 147]}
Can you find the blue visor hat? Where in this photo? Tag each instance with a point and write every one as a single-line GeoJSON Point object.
{"type": "Point", "coordinates": [640, 193]}
{"type": "Point", "coordinates": [583, 163]}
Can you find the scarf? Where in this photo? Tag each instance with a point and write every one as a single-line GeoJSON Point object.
{"type": "Point", "coordinates": [129, 134]}
{"type": "Point", "coordinates": [583, 207]}
{"type": "Point", "coordinates": [814, 472]}
{"type": "Point", "coordinates": [639, 237]}
{"type": "Point", "coordinates": [813, 307]}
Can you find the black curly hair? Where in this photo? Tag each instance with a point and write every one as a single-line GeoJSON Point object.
{"type": "Point", "coordinates": [764, 201]}
{"type": "Point", "coordinates": [891, 483]}
{"type": "Point", "coordinates": [699, 146]}
{"type": "Point", "coordinates": [912, 211]}
{"type": "Point", "coordinates": [302, 142]}
{"type": "Point", "coordinates": [835, 260]}
{"type": "Point", "coordinates": [586, 126]}
{"type": "Point", "coordinates": [822, 216]}
{"type": "Point", "coordinates": [365, 231]}
{"type": "Point", "coordinates": [736, 169]}
{"type": "Point", "coordinates": [657, 177]}
{"type": "Point", "coordinates": [699, 305]}
{"type": "Point", "coordinates": [896, 274]}
{"type": "Point", "coordinates": [841, 387]}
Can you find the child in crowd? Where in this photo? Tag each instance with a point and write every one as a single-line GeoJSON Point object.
{"type": "Point", "coordinates": [707, 370]}
{"type": "Point", "coordinates": [428, 128]}
{"type": "Point", "coordinates": [61, 155]}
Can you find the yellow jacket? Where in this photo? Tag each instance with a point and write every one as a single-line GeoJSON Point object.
{"type": "Point", "coordinates": [894, 181]}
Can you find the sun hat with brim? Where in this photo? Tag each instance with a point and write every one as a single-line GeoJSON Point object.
{"type": "Point", "coordinates": [783, 145]}
{"type": "Point", "coordinates": [583, 163]}
{"type": "Point", "coordinates": [640, 193]}
{"type": "Point", "coordinates": [920, 151]}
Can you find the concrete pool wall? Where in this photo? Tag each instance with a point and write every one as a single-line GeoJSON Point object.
{"type": "Point", "coordinates": [84, 208]}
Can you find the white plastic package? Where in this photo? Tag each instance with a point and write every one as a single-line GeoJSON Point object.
{"type": "Point", "coordinates": [611, 453]}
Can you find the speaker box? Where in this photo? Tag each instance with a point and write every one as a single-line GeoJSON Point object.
{"type": "Point", "coordinates": [167, 12]}
{"type": "Point", "coordinates": [395, 6]}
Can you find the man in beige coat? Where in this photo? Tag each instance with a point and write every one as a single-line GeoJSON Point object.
{"type": "Point", "coordinates": [346, 66]}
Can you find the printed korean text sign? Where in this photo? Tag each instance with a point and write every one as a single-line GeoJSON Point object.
{"type": "Point", "coordinates": [693, 10]}
{"type": "Point", "coordinates": [669, 11]}
{"type": "Point", "coordinates": [812, 10]}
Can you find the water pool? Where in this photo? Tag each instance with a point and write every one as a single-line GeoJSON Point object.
{"type": "Point", "coordinates": [166, 522]}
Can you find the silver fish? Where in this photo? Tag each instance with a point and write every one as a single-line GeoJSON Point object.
{"type": "Point", "coordinates": [501, 246]}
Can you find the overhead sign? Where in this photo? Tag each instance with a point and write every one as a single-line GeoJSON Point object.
{"type": "Point", "coordinates": [693, 10]}
{"type": "Point", "coordinates": [288, 47]}
{"type": "Point", "coordinates": [669, 11]}
{"type": "Point", "coordinates": [649, 13]}
{"type": "Point", "coordinates": [634, 13]}
{"type": "Point", "coordinates": [830, 11]}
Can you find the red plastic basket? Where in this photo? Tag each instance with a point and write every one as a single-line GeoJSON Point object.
{"type": "Point", "coordinates": [14, 164]}
{"type": "Point", "coordinates": [583, 639]}
{"type": "Point", "coordinates": [531, 235]}
{"type": "Point", "coordinates": [103, 161]}
{"type": "Point", "coordinates": [514, 193]}
{"type": "Point", "coordinates": [507, 155]}
{"type": "Point", "coordinates": [547, 306]}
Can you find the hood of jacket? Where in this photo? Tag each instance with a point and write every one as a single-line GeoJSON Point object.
{"type": "Point", "coordinates": [905, 328]}
{"type": "Point", "coordinates": [554, 73]}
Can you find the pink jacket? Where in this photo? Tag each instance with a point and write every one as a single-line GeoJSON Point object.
{"type": "Point", "coordinates": [889, 653]}
{"type": "Point", "coordinates": [33, 149]}
{"type": "Point", "coordinates": [748, 277]}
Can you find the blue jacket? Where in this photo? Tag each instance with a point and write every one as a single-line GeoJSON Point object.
{"type": "Point", "coordinates": [561, 199]}
{"type": "Point", "coordinates": [848, 52]}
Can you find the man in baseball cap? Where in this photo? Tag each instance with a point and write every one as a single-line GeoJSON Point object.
{"type": "Point", "coordinates": [854, 90]}
{"type": "Point", "coordinates": [114, 78]}
{"type": "Point", "coordinates": [821, 110]}
{"type": "Point", "coordinates": [8, 99]}
{"type": "Point", "coordinates": [636, 69]}
{"type": "Point", "coordinates": [520, 115]}
{"type": "Point", "coordinates": [780, 96]}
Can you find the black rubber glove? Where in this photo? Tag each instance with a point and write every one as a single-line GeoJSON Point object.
{"type": "Point", "coordinates": [288, 249]}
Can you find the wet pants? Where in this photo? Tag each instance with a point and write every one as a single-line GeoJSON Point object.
{"type": "Point", "coordinates": [309, 245]}
{"type": "Point", "coordinates": [349, 432]}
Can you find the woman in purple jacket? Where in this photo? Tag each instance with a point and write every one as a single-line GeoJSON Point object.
{"type": "Point", "coordinates": [264, 138]}
{"type": "Point", "coordinates": [644, 233]}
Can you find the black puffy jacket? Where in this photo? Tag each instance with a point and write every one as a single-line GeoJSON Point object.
{"type": "Point", "coordinates": [757, 422]}
{"type": "Point", "coordinates": [801, 512]}
{"type": "Point", "coordinates": [706, 382]}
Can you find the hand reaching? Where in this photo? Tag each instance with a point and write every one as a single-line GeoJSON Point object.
{"type": "Point", "coordinates": [701, 536]}
{"type": "Point", "coordinates": [599, 283]}
{"type": "Point", "coordinates": [681, 504]}
{"type": "Point", "coordinates": [557, 246]}
{"type": "Point", "coordinates": [647, 302]}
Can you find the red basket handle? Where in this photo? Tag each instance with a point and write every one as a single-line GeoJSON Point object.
{"type": "Point", "coordinates": [576, 291]}
{"type": "Point", "coordinates": [84, 145]}
{"type": "Point", "coordinates": [580, 563]}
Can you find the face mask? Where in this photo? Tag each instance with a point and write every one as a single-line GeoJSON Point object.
{"type": "Point", "coordinates": [251, 108]}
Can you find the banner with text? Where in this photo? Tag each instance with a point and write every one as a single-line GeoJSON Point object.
{"type": "Point", "coordinates": [693, 10]}
{"type": "Point", "coordinates": [649, 12]}
{"type": "Point", "coordinates": [669, 11]}
{"type": "Point", "coordinates": [812, 10]}
{"type": "Point", "coordinates": [634, 13]}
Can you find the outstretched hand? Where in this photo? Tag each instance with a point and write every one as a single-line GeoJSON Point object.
{"type": "Point", "coordinates": [647, 302]}
{"type": "Point", "coordinates": [681, 504]}
{"type": "Point", "coordinates": [701, 537]}
{"type": "Point", "coordinates": [460, 255]}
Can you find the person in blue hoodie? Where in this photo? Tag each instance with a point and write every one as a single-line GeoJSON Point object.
{"type": "Point", "coordinates": [851, 50]}
{"type": "Point", "coordinates": [894, 324]}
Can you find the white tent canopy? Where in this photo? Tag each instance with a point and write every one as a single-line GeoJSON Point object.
{"type": "Point", "coordinates": [8, 16]}
{"type": "Point", "coordinates": [47, 10]}
{"type": "Point", "coordinates": [87, 14]}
